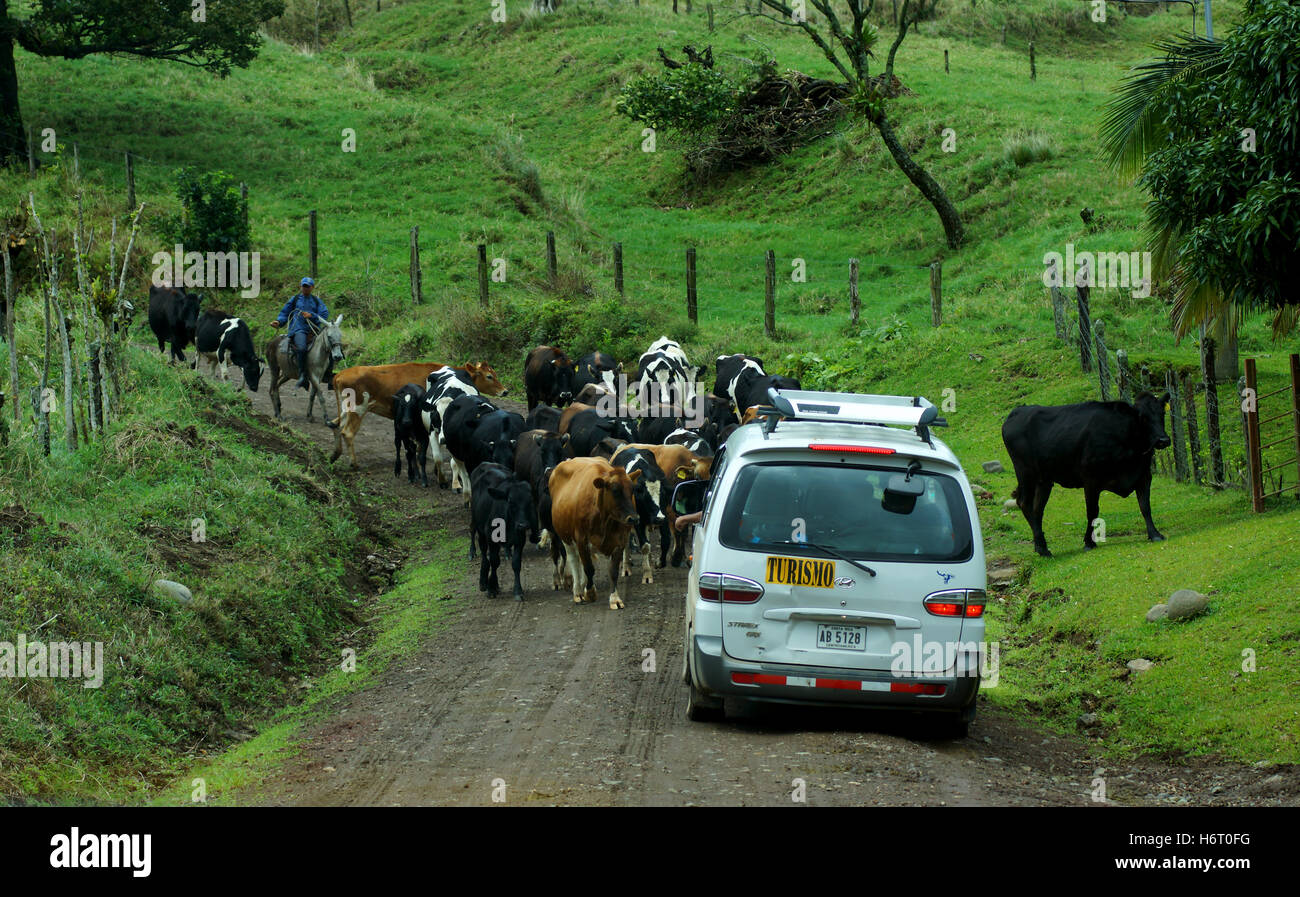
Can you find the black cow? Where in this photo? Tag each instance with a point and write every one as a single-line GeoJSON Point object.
{"type": "Point", "coordinates": [174, 318]}
{"type": "Point", "coordinates": [458, 424]}
{"type": "Point", "coordinates": [744, 383]}
{"type": "Point", "coordinates": [655, 430]}
{"type": "Point", "coordinates": [1095, 446]}
{"type": "Point", "coordinates": [652, 492]}
{"type": "Point", "coordinates": [544, 417]}
{"type": "Point", "coordinates": [409, 433]}
{"type": "Point", "coordinates": [588, 428]}
{"type": "Point", "coordinates": [219, 337]}
{"type": "Point", "coordinates": [548, 377]}
{"type": "Point", "coordinates": [493, 439]}
{"type": "Point", "coordinates": [503, 512]}
{"type": "Point", "coordinates": [597, 367]}
{"type": "Point", "coordinates": [537, 453]}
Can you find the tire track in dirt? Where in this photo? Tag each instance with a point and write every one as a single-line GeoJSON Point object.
{"type": "Point", "coordinates": [551, 698]}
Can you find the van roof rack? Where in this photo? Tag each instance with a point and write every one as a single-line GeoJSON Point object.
{"type": "Point", "coordinates": [851, 408]}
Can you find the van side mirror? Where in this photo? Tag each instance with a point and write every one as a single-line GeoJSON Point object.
{"type": "Point", "coordinates": [688, 497]}
{"type": "Point", "coordinates": [901, 494]}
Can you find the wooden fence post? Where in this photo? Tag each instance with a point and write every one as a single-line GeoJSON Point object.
{"type": "Point", "coordinates": [709, 7]}
{"type": "Point", "coordinates": [691, 309]}
{"type": "Point", "coordinates": [76, 164]}
{"type": "Point", "coordinates": [1179, 435]}
{"type": "Point", "coordinates": [1085, 327]}
{"type": "Point", "coordinates": [618, 268]}
{"type": "Point", "coordinates": [1212, 433]}
{"type": "Point", "coordinates": [1253, 461]}
{"type": "Point", "coordinates": [769, 297]}
{"type": "Point", "coordinates": [1058, 315]}
{"type": "Point", "coordinates": [936, 293]}
{"type": "Point", "coordinates": [1295, 409]}
{"type": "Point", "coordinates": [1188, 386]}
{"type": "Point", "coordinates": [417, 285]}
{"type": "Point", "coordinates": [482, 275]}
{"type": "Point", "coordinates": [855, 302]}
{"type": "Point", "coordinates": [311, 242]}
{"type": "Point", "coordinates": [31, 155]}
{"type": "Point", "coordinates": [1125, 377]}
{"type": "Point", "coordinates": [945, 62]}
{"type": "Point", "coordinates": [552, 270]}
{"type": "Point", "coordinates": [130, 183]}
{"type": "Point", "coordinates": [1103, 360]}
{"type": "Point", "coordinates": [1033, 66]}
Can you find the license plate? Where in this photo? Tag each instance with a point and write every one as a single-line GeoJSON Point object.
{"type": "Point", "coordinates": [801, 572]}
{"type": "Point", "coordinates": [843, 638]}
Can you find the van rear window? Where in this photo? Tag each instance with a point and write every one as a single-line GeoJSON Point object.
{"type": "Point", "coordinates": [776, 506]}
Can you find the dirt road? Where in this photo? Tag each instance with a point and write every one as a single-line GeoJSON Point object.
{"type": "Point", "coordinates": [548, 702]}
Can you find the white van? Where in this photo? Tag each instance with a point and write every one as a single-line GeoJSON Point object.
{"type": "Point", "coordinates": [838, 561]}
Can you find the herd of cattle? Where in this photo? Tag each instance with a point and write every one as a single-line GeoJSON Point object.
{"type": "Point", "coordinates": [594, 463]}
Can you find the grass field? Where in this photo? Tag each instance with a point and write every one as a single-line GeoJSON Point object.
{"type": "Point", "coordinates": [482, 133]}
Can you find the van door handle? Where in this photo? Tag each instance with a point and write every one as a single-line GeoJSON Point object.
{"type": "Point", "coordinates": [786, 614]}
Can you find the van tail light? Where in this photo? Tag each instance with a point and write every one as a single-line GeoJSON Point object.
{"type": "Point", "coordinates": [729, 588]}
{"type": "Point", "coordinates": [859, 449]}
{"type": "Point", "coordinates": [956, 603]}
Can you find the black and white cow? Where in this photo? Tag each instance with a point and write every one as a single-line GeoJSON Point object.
{"type": "Point", "coordinates": [441, 388]}
{"type": "Point", "coordinates": [664, 377]}
{"type": "Point", "coordinates": [598, 367]}
{"type": "Point", "coordinates": [692, 439]}
{"type": "Point", "coordinates": [174, 318]}
{"type": "Point", "coordinates": [588, 428]}
{"type": "Point", "coordinates": [410, 433]}
{"type": "Point", "coordinates": [457, 425]}
{"type": "Point", "coordinates": [502, 510]}
{"type": "Point", "coordinates": [1095, 446]}
{"type": "Point", "coordinates": [650, 492]}
{"type": "Point", "coordinates": [744, 383]}
{"type": "Point", "coordinates": [219, 338]}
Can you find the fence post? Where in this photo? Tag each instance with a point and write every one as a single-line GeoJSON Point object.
{"type": "Point", "coordinates": [855, 303]}
{"type": "Point", "coordinates": [76, 164]}
{"type": "Point", "coordinates": [243, 199]}
{"type": "Point", "coordinates": [417, 276]}
{"type": "Point", "coordinates": [769, 297]}
{"type": "Point", "coordinates": [691, 309]}
{"type": "Point", "coordinates": [1058, 315]}
{"type": "Point", "coordinates": [482, 275]}
{"type": "Point", "coordinates": [936, 293]}
{"type": "Point", "coordinates": [618, 268]}
{"type": "Point", "coordinates": [1179, 435]}
{"type": "Point", "coordinates": [1253, 462]}
{"type": "Point", "coordinates": [945, 62]}
{"type": "Point", "coordinates": [551, 270]}
{"type": "Point", "coordinates": [709, 7]}
{"type": "Point", "coordinates": [1188, 386]}
{"type": "Point", "coordinates": [1033, 66]}
{"type": "Point", "coordinates": [1212, 434]}
{"type": "Point", "coordinates": [31, 155]}
{"type": "Point", "coordinates": [1085, 327]}
{"type": "Point", "coordinates": [1295, 410]}
{"type": "Point", "coordinates": [130, 183]}
{"type": "Point", "coordinates": [311, 242]}
{"type": "Point", "coordinates": [1125, 377]}
{"type": "Point", "coordinates": [1103, 360]}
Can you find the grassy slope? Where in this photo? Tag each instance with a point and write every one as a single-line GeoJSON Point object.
{"type": "Point", "coordinates": [424, 158]}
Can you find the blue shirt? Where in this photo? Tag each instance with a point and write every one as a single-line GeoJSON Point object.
{"type": "Point", "coordinates": [303, 303]}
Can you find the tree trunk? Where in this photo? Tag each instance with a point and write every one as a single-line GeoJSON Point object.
{"type": "Point", "coordinates": [929, 187]}
{"type": "Point", "coordinates": [13, 145]}
{"type": "Point", "coordinates": [1226, 364]}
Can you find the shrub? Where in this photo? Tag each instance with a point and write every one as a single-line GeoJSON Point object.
{"type": "Point", "coordinates": [213, 218]}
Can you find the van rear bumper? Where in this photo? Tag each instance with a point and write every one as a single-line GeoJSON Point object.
{"type": "Point", "coordinates": [717, 674]}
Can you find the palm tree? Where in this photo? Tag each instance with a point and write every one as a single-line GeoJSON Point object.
{"type": "Point", "coordinates": [1136, 124]}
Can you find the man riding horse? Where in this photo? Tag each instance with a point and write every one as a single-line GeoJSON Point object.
{"type": "Point", "coordinates": [305, 314]}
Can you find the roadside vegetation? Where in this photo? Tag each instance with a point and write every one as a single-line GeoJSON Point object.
{"type": "Point", "coordinates": [483, 133]}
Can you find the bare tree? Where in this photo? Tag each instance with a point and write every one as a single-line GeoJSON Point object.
{"type": "Point", "coordinates": [847, 45]}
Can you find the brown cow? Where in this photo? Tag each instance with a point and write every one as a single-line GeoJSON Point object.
{"type": "Point", "coordinates": [592, 509]}
{"type": "Point", "coordinates": [367, 388]}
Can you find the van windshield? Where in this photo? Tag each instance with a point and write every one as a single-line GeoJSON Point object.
{"type": "Point", "coordinates": [775, 506]}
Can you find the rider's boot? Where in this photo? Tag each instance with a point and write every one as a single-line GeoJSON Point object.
{"type": "Point", "coordinates": [301, 356]}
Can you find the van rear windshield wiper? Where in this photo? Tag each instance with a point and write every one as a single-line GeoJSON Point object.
{"type": "Point", "coordinates": [830, 551]}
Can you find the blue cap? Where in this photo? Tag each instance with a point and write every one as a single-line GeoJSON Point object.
{"type": "Point", "coordinates": [308, 282]}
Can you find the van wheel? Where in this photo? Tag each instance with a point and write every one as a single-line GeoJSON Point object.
{"type": "Point", "coordinates": [703, 709]}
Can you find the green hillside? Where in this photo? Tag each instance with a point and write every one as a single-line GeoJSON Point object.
{"type": "Point", "coordinates": [497, 133]}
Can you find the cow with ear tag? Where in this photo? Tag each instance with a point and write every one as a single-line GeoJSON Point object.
{"type": "Point", "coordinates": [1094, 446]}
{"type": "Point", "coordinates": [592, 512]}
